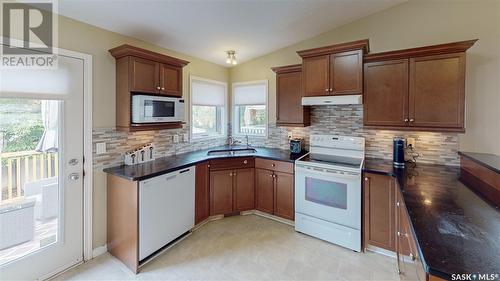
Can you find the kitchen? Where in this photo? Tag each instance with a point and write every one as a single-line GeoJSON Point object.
{"type": "Point", "coordinates": [349, 155]}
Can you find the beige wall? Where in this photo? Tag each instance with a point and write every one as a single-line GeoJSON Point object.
{"type": "Point", "coordinates": [81, 37]}
{"type": "Point", "coordinates": [413, 24]}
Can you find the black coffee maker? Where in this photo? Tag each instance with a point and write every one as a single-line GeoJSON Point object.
{"type": "Point", "coordinates": [398, 154]}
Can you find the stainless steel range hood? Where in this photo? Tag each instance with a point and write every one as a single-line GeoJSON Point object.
{"type": "Point", "coordinates": [332, 100]}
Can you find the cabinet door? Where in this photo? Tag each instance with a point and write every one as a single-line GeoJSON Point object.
{"type": "Point", "coordinates": [289, 109]}
{"type": "Point", "coordinates": [264, 190]}
{"type": "Point", "coordinates": [202, 193]}
{"type": "Point", "coordinates": [144, 75]}
{"type": "Point", "coordinates": [171, 80]}
{"type": "Point", "coordinates": [221, 192]}
{"type": "Point", "coordinates": [379, 211]}
{"type": "Point", "coordinates": [437, 86]}
{"type": "Point", "coordinates": [315, 75]}
{"type": "Point", "coordinates": [346, 73]}
{"type": "Point", "coordinates": [385, 97]}
{"type": "Point", "coordinates": [244, 189]}
{"type": "Point", "coordinates": [284, 195]}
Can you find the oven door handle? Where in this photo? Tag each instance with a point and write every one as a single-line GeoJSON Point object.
{"type": "Point", "coordinates": [326, 172]}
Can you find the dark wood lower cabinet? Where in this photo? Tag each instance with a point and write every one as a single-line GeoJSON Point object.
{"type": "Point", "coordinates": [284, 196]}
{"type": "Point", "coordinates": [221, 192]}
{"type": "Point", "coordinates": [264, 190]}
{"type": "Point", "coordinates": [244, 191]}
{"type": "Point", "coordinates": [379, 211]}
{"type": "Point", "coordinates": [202, 192]}
{"type": "Point", "coordinates": [274, 193]}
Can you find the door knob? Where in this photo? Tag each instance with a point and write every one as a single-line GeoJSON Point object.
{"type": "Point", "coordinates": [73, 162]}
{"type": "Point", "coordinates": [73, 176]}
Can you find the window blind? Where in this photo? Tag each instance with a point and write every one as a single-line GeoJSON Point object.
{"type": "Point", "coordinates": [250, 94]}
{"type": "Point", "coordinates": [207, 93]}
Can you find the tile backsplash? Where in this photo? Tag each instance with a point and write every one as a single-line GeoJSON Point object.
{"type": "Point", "coordinates": [437, 148]}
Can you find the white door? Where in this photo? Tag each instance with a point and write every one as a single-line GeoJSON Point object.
{"type": "Point", "coordinates": [328, 195]}
{"type": "Point", "coordinates": [41, 206]}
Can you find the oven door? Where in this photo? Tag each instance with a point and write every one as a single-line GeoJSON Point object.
{"type": "Point", "coordinates": [328, 194]}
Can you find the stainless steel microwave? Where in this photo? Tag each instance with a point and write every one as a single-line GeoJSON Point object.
{"type": "Point", "coordinates": [155, 109]}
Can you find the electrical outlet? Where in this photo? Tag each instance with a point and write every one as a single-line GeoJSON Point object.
{"type": "Point", "coordinates": [410, 142]}
{"type": "Point", "coordinates": [185, 137]}
{"type": "Point", "coordinates": [176, 138]}
{"type": "Point", "coordinates": [100, 148]}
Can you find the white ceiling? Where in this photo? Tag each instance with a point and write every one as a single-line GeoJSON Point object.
{"type": "Point", "coordinates": [206, 29]}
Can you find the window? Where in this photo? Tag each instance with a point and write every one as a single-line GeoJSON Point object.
{"type": "Point", "coordinates": [208, 108]}
{"type": "Point", "coordinates": [250, 108]}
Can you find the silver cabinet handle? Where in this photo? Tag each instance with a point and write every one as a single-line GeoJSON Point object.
{"type": "Point", "coordinates": [158, 88]}
{"type": "Point", "coordinates": [162, 88]}
{"type": "Point", "coordinates": [406, 120]}
{"type": "Point", "coordinates": [326, 90]}
{"type": "Point", "coordinates": [397, 204]}
{"type": "Point", "coordinates": [411, 119]}
{"type": "Point", "coordinates": [331, 90]}
{"type": "Point", "coordinates": [366, 179]}
{"type": "Point", "coordinates": [73, 162]}
{"type": "Point", "coordinates": [245, 162]}
{"type": "Point", "coordinates": [74, 176]}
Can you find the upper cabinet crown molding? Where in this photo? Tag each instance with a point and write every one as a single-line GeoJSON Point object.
{"type": "Point", "coordinates": [128, 50]}
{"type": "Point", "coordinates": [342, 47]}
{"type": "Point", "coordinates": [454, 47]}
{"type": "Point", "coordinates": [287, 68]}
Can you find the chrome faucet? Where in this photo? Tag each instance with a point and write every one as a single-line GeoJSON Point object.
{"type": "Point", "coordinates": [248, 144]}
{"type": "Point", "coordinates": [232, 141]}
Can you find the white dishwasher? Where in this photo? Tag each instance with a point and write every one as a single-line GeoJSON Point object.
{"type": "Point", "coordinates": [166, 209]}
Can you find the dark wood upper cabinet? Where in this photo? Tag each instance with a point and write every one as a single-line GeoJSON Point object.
{"type": "Point", "coordinates": [334, 70]}
{"type": "Point", "coordinates": [284, 196]}
{"type": "Point", "coordinates": [429, 97]}
{"type": "Point", "coordinates": [386, 87]}
{"type": "Point", "coordinates": [379, 211]}
{"type": "Point", "coordinates": [140, 71]}
{"type": "Point", "coordinates": [264, 190]}
{"type": "Point", "coordinates": [144, 75]}
{"type": "Point", "coordinates": [170, 80]}
{"type": "Point", "coordinates": [221, 192]}
{"type": "Point", "coordinates": [289, 109]}
{"type": "Point", "coordinates": [202, 192]}
{"type": "Point", "coordinates": [315, 75]}
{"type": "Point", "coordinates": [346, 73]}
{"type": "Point", "coordinates": [437, 86]}
{"type": "Point", "coordinates": [244, 191]}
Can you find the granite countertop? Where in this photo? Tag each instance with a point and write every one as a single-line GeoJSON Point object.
{"type": "Point", "coordinates": [490, 161]}
{"type": "Point", "coordinates": [456, 231]}
{"type": "Point", "coordinates": [172, 163]}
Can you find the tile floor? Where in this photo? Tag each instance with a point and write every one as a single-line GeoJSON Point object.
{"type": "Point", "coordinates": [246, 248]}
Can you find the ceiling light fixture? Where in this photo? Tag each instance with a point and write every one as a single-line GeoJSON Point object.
{"type": "Point", "coordinates": [231, 57]}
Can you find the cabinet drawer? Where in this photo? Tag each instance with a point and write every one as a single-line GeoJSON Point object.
{"type": "Point", "coordinates": [280, 166]}
{"type": "Point", "coordinates": [232, 163]}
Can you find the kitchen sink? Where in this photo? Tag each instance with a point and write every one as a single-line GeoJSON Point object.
{"type": "Point", "coordinates": [232, 151]}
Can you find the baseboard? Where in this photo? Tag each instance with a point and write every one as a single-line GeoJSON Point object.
{"type": "Point", "coordinates": [99, 250]}
{"type": "Point", "coordinates": [381, 251]}
{"type": "Point", "coordinates": [268, 216]}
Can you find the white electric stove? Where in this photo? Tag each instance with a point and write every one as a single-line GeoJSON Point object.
{"type": "Point", "coordinates": [328, 190]}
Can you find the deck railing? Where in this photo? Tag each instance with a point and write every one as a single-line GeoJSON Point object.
{"type": "Point", "coordinates": [21, 167]}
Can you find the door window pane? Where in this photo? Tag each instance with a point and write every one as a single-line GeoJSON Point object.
{"type": "Point", "coordinates": [29, 169]}
{"type": "Point", "coordinates": [328, 193]}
